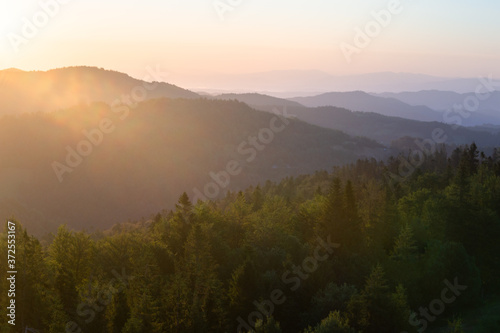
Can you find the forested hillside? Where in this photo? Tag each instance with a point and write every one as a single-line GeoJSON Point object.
{"type": "Point", "coordinates": [356, 250]}
{"type": "Point", "coordinates": [47, 91]}
{"type": "Point", "coordinates": [96, 165]}
{"type": "Point", "coordinates": [387, 129]}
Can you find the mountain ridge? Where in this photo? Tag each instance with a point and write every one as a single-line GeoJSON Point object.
{"type": "Point", "coordinates": [362, 101]}
{"type": "Point", "coordinates": [61, 88]}
{"type": "Point", "coordinates": [132, 181]}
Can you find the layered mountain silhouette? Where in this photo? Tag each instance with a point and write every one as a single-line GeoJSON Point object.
{"type": "Point", "coordinates": [35, 91]}
{"type": "Point", "coordinates": [256, 99]}
{"type": "Point", "coordinates": [386, 129]}
{"type": "Point", "coordinates": [361, 101]}
{"type": "Point", "coordinates": [291, 83]}
{"type": "Point", "coordinates": [382, 128]}
{"type": "Point", "coordinates": [107, 147]}
{"type": "Point", "coordinates": [56, 167]}
{"type": "Point", "coordinates": [486, 104]}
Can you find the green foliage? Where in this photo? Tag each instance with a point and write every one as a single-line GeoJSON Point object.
{"type": "Point", "coordinates": [332, 297]}
{"type": "Point", "coordinates": [209, 266]}
{"type": "Point", "coordinates": [334, 323]}
{"type": "Point", "coordinates": [455, 326]}
{"type": "Point", "coordinates": [404, 247]}
{"type": "Point", "coordinates": [269, 326]}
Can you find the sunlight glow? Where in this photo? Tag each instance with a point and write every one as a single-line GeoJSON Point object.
{"type": "Point", "coordinates": [8, 17]}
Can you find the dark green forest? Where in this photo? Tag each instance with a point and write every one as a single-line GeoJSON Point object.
{"type": "Point", "coordinates": [352, 250]}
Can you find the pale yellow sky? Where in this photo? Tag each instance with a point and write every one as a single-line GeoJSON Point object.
{"type": "Point", "coordinates": [449, 38]}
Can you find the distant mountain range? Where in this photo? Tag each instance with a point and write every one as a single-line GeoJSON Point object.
{"type": "Point", "coordinates": [147, 153]}
{"type": "Point", "coordinates": [22, 92]}
{"type": "Point", "coordinates": [423, 106]}
{"type": "Point", "coordinates": [292, 83]}
{"type": "Point", "coordinates": [382, 128]}
{"type": "Point", "coordinates": [387, 129]}
{"type": "Point", "coordinates": [487, 106]}
{"type": "Point", "coordinates": [388, 104]}
{"type": "Point", "coordinates": [361, 101]}
{"type": "Point", "coordinates": [255, 99]}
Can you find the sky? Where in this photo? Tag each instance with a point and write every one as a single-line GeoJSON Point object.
{"type": "Point", "coordinates": [451, 38]}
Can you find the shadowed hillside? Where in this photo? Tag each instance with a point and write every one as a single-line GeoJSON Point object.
{"type": "Point", "coordinates": [387, 129]}
{"type": "Point", "coordinates": [361, 101]}
{"type": "Point", "coordinates": [144, 159]}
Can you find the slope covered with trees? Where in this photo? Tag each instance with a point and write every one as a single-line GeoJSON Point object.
{"type": "Point", "coordinates": [348, 251]}
{"type": "Point", "coordinates": [387, 129]}
{"type": "Point", "coordinates": [47, 91]}
{"type": "Point", "coordinates": [96, 165]}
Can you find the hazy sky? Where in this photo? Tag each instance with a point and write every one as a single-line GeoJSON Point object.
{"type": "Point", "coordinates": [446, 37]}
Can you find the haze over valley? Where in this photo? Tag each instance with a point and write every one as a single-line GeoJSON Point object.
{"type": "Point", "coordinates": [249, 166]}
